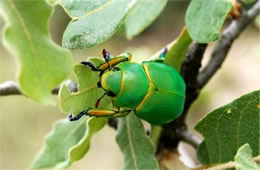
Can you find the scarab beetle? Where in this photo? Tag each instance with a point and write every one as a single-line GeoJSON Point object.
{"type": "Point", "coordinates": [154, 91]}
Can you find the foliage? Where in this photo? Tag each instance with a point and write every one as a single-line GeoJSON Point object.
{"type": "Point", "coordinates": [26, 35]}
{"type": "Point", "coordinates": [107, 16]}
{"type": "Point", "coordinates": [177, 50]}
{"type": "Point", "coordinates": [229, 127]}
{"type": "Point", "coordinates": [28, 39]}
{"type": "Point", "coordinates": [64, 135]}
{"type": "Point", "coordinates": [87, 94]}
{"type": "Point", "coordinates": [136, 146]}
{"type": "Point", "coordinates": [204, 19]}
{"type": "Point", "coordinates": [244, 159]}
{"type": "Point", "coordinates": [248, 1]}
{"type": "Point", "coordinates": [93, 125]}
{"type": "Point", "coordinates": [149, 10]}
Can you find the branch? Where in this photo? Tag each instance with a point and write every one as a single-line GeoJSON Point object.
{"type": "Point", "coordinates": [224, 44]}
{"type": "Point", "coordinates": [113, 123]}
{"type": "Point", "coordinates": [189, 71]}
{"type": "Point", "coordinates": [228, 165]}
{"type": "Point", "coordinates": [188, 137]}
{"type": "Point", "coordinates": [171, 133]}
{"type": "Point", "coordinates": [9, 88]}
{"type": "Point", "coordinates": [12, 88]}
{"type": "Point", "coordinates": [195, 81]}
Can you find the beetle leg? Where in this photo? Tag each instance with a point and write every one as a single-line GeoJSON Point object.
{"type": "Point", "coordinates": [107, 113]}
{"type": "Point", "coordinates": [109, 62]}
{"type": "Point", "coordinates": [100, 113]}
{"type": "Point", "coordinates": [160, 59]}
{"type": "Point", "coordinates": [163, 53]}
{"type": "Point", "coordinates": [114, 61]}
{"type": "Point", "coordinates": [91, 65]}
{"type": "Point", "coordinates": [121, 114]}
{"type": "Point", "coordinates": [71, 118]}
{"type": "Point", "coordinates": [116, 108]}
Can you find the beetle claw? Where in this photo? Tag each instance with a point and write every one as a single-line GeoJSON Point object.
{"type": "Point", "coordinates": [72, 118]}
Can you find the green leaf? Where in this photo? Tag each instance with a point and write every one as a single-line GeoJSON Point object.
{"type": "Point", "coordinates": [93, 22]}
{"type": "Point", "coordinates": [58, 142]}
{"type": "Point", "coordinates": [177, 50]}
{"type": "Point", "coordinates": [204, 19]}
{"type": "Point", "coordinates": [135, 144]}
{"type": "Point", "coordinates": [244, 159]}
{"type": "Point", "coordinates": [81, 148]}
{"type": "Point", "coordinates": [142, 15]}
{"type": "Point", "coordinates": [42, 64]}
{"type": "Point", "coordinates": [229, 127]}
{"type": "Point", "coordinates": [88, 91]}
{"type": "Point", "coordinates": [248, 1]}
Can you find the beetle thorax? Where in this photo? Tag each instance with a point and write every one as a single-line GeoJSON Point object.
{"type": "Point", "coordinates": [111, 81]}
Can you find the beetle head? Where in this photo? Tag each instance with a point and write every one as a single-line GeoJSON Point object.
{"type": "Point", "coordinates": [111, 81]}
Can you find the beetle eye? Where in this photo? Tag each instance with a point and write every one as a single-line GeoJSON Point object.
{"type": "Point", "coordinates": [98, 84]}
{"type": "Point", "coordinates": [111, 94]}
{"type": "Point", "coordinates": [115, 69]}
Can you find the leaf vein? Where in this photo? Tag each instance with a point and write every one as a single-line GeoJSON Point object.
{"type": "Point", "coordinates": [130, 143]}
{"type": "Point", "coordinates": [29, 39]}
{"type": "Point", "coordinates": [94, 11]}
{"type": "Point", "coordinates": [79, 93]}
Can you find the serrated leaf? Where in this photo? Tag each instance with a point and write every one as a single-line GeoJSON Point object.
{"type": "Point", "coordinates": [204, 19]}
{"type": "Point", "coordinates": [244, 159]}
{"type": "Point", "coordinates": [229, 127]}
{"type": "Point", "coordinates": [134, 143]}
{"type": "Point", "coordinates": [88, 91]}
{"type": "Point", "coordinates": [43, 64]}
{"type": "Point", "coordinates": [93, 22]}
{"type": "Point", "coordinates": [81, 148]}
{"type": "Point", "coordinates": [64, 135]}
{"type": "Point", "coordinates": [177, 50]}
{"type": "Point", "coordinates": [142, 15]}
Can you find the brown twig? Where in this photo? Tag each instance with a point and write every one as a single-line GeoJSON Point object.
{"type": "Point", "coordinates": [188, 137]}
{"type": "Point", "coordinates": [12, 88]}
{"type": "Point", "coordinates": [171, 134]}
{"type": "Point", "coordinates": [195, 81]}
{"type": "Point", "coordinates": [224, 44]}
{"type": "Point", "coordinates": [9, 88]}
{"type": "Point", "coordinates": [113, 122]}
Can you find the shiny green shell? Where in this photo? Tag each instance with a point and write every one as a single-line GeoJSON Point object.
{"type": "Point", "coordinates": [153, 90]}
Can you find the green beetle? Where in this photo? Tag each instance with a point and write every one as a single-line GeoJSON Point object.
{"type": "Point", "coordinates": [154, 91]}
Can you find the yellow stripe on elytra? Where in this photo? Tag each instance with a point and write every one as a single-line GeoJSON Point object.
{"type": "Point", "coordinates": [151, 90]}
{"type": "Point", "coordinates": [147, 73]}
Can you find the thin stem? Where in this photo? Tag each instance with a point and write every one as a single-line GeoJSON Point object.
{"type": "Point", "coordinates": [172, 132]}
{"type": "Point", "coordinates": [9, 88]}
{"type": "Point", "coordinates": [12, 88]}
{"type": "Point", "coordinates": [188, 137]}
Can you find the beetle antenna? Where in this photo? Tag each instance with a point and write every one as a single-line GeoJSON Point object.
{"type": "Point", "coordinates": [106, 56]}
{"type": "Point", "coordinates": [98, 101]}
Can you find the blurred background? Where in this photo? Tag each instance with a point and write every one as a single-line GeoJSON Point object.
{"type": "Point", "coordinates": [24, 123]}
